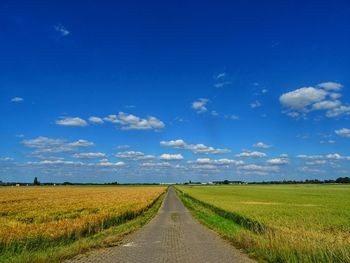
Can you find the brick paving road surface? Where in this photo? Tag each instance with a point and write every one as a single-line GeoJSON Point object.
{"type": "Point", "coordinates": [172, 236]}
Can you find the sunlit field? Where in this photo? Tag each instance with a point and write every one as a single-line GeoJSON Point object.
{"type": "Point", "coordinates": [34, 218]}
{"type": "Point", "coordinates": [279, 223]}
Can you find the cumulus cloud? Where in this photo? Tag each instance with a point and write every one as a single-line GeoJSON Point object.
{"type": "Point", "coordinates": [334, 86]}
{"type": "Point", "coordinates": [129, 154]}
{"type": "Point", "coordinates": [132, 122]}
{"type": "Point", "coordinates": [324, 97]}
{"type": "Point", "coordinates": [156, 165]}
{"type": "Point", "coordinates": [57, 162]}
{"type": "Point", "coordinates": [200, 105]}
{"type": "Point", "coordinates": [96, 120]}
{"type": "Point", "coordinates": [329, 157]}
{"type": "Point", "coordinates": [171, 157]}
{"type": "Point", "coordinates": [259, 169]}
{"type": "Point", "coordinates": [344, 132]}
{"type": "Point", "coordinates": [222, 161]}
{"type": "Point", "coordinates": [49, 145]}
{"type": "Point", "coordinates": [204, 167]}
{"type": "Point", "coordinates": [89, 155]}
{"type": "Point", "coordinates": [303, 97]}
{"type": "Point", "coordinates": [326, 105]}
{"type": "Point", "coordinates": [278, 161]}
{"type": "Point", "coordinates": [71, 121]}
{"type": "Point", "coordinates": [341, 110]}
{"type": "Point", "coordinates": [249, 154]}
{"type": "Point", "coordinates": [195, 148]}
{"type": "Point", "coordinates": [17, 99]}
{"type": "Point", "coordinates": [106, 163]}
{"type": "Point", "coordinates": [261, 145]}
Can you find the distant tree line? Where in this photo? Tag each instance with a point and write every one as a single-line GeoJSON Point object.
{"type": "Point", "coordinates": [340, 180]}
{"type": "Point", "coordinates": [36, 182]}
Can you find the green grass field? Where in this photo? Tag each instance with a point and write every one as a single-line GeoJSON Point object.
{"type": "Point", "coordinates": [278, 223]}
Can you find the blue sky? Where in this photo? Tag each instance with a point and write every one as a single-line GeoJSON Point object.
{"type": "Point", "coordinates": [174, 91]}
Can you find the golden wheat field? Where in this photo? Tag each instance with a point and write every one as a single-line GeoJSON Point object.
{"type": "Point", "coordinates": [33, 216]}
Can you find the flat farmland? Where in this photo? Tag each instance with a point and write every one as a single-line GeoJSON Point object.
{"type": "Point", "coordinates": [36, 221]}
{"type": "Point", "coordinates": [278, 223]}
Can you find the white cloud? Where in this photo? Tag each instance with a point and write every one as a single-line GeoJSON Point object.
{"type": "Point", "coordinates": [310, 170]}
{"type": "Point", "coordinates": [48, 145]}
{"type": "Point", "coordinates": [320, 98]}
{"type": "Point", "coordinates": [6, 159]}
{"type": "Point", "coordinates": [309, 157]}
{"type": "Point", "coordinates": [220, 75]}
{"type": "Point", "coordinates": [180, 144]}
{"type": "Point", "coordinates": [106, 163]}
{"type": "Point", "coordinates": [334, 86]}
{"type": "Point", "coordinates": [204, 167]}
{"type": "Point", "coordinates": [214, 113]}
{"type": "Point", "coordinates": [90, 155]}
{"type": "Point", "coordinates": [261, 145]}
{"type": "Point", "coordinates": [62, 30]}
{"type": "Point", "coordinates": [200, 105]}
{"type": "Point", "coordinates": [17, 99]}
{"type": "Point", "coordinates": [341, 110]}
{"type": "Point", "coordinates": [71, 121]}
{"type": "Point", "coordinates": [259, 169]}
{"type": "Point", "coordinates": [327, 141]}
{"type": "Point", "coordinates": [330, 156]}
{"type": "Point", "coordinates": [301, 98]}
{"type": "Point", "coordinates": [123, 147]}
{"type": "Point", "coordinates": [232, 117]}
{"type": "Point", "coordinates": [253, 154]}
{"type": "Point", "coordinates": [96, 120]}
{"type": "Point", "coordinates": [255, 104]}
{"type": "Point", "coordinates": [156, 165]}
{"type": "Point", "coordinates": [171, 157]}
{"type": "Point", "coordinates": [222, 84]}
{"type": "Point", "coordinates": [132, 122]}
{"type": "Point", "coordinates": [326, 104]}
{"type": "Point", "coordinates": [222, 161]}
{"type": "Point", "coordinates": [129, 154]}
{"type": "Point", "coordinates": [278, 161]}
{"type": "Point", "coordinates": [58, 162]}
{"type": "Point", "coordinates": [334, 95]}
{"type": "Point", "coordinates": [344, 132]}
{"type": "Point", "coordinates": [195, 148]}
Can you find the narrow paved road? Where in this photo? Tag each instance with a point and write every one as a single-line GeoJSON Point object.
{"type": "Point", "coordinates": [172, 236]}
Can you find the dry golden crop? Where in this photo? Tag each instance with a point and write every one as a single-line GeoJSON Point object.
{"type": "Point", "coordinates": [31, 216]}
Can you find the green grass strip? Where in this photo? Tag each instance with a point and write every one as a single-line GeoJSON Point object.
{"type": "Point", "coordinates": [243, 221]}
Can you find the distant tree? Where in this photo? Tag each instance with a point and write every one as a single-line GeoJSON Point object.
{"type": "Point", "coordinates": [36, 181]}
{"type": "Point", "coordinates": [226, 182]}
{"type": "Point", "coordinates": [343, 180]}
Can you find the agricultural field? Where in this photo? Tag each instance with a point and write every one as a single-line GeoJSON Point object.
{"type": "Point", "coordinates": [41, 224]}
{"type": "Point", "coordinates": [277, 223]}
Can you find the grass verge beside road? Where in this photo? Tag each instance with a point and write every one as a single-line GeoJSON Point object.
{"type": "Point", "coordinates": [281, 235]}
